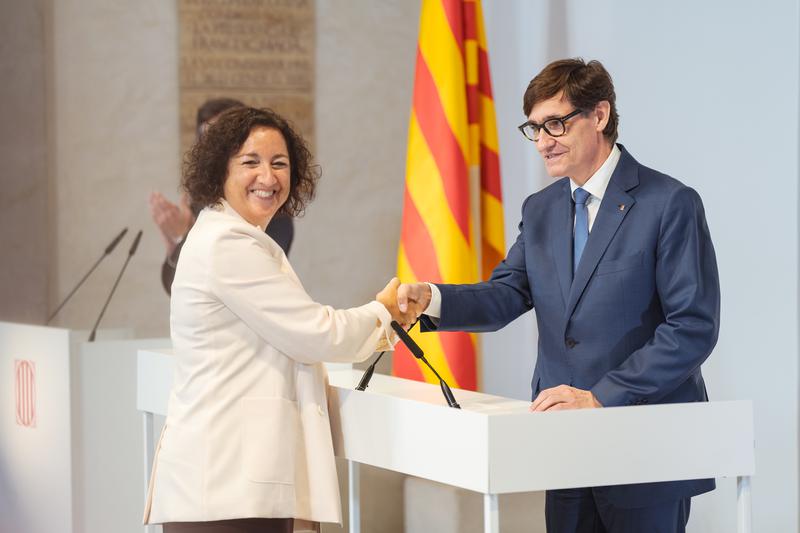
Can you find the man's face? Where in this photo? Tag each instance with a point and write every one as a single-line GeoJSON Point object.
{"type": "Point", "coordinates": [582, 149]}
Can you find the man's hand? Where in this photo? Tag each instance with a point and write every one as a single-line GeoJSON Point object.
{"type": "Point", "coordinates": [413, 298]}
{"type": "Point", "coordinates": [173, 220]}
{"type": "Point", "coordinates": [564, 397]}
{"type": "Point", "coordinates": [388, 297]}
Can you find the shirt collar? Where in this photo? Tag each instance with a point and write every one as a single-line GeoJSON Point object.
{"type": "Point", "coordinates": [597, 184]}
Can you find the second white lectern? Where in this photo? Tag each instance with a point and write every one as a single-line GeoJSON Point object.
{"type": "Point", "coordinates": [495, 446]}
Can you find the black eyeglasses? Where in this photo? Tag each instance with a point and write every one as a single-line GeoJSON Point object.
{"type": "Point", "coordinates": [555, 127]}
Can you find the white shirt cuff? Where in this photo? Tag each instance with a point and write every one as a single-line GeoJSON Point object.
{"type": "Point", "coordinates": [434, 308]}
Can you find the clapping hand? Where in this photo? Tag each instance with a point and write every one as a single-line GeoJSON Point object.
{"type": "Point", "coordinates": [173, 220]}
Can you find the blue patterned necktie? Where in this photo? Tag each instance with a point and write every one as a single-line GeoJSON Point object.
{"type": "Point", "coordinates": [581, 227]}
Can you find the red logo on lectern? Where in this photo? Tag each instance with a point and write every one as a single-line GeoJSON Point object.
{"type": "Point", "coordinates": [25, 392]}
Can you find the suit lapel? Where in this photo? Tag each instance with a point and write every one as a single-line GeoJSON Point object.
{"type": "Point", "coordinates": [561, 240]}
{"type": "Point", "coordinates": [614, 208]}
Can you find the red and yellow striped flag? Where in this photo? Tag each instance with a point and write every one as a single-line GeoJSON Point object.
{"type": "Point", "coordinates": [452, 197]}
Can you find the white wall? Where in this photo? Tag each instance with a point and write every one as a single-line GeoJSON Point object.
{"type": "Point", "coordinates": [115, 138]}
{"type": "Point", "coordinates": [692, 79]}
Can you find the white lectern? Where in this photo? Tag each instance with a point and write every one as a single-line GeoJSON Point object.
{"type": "Point", "coordinates": [66, 439]}
{"type": "Point", "coordinates": [494, 446]}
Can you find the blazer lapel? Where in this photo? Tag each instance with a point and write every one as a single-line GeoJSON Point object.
{"type": "Point", "coordinates": [561, 240]}
{"type": "Point", "coordinates": [614, 208]}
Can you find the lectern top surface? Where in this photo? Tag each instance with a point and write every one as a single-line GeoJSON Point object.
{"type": "Point", "coordinates": [476, 402]}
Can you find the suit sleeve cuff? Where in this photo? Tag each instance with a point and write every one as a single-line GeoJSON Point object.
{"type": "Point", "coordinates": [612, 395]}
{"type": "Point", "coordinates": [434, 308]}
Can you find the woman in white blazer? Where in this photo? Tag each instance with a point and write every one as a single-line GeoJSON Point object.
{"type": "Point", "coordinates": [246, 445]}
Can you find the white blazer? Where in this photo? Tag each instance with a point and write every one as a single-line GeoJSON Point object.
{"type": "Point", "coordinates": [247, 431]}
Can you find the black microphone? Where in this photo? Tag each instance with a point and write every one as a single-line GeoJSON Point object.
{"type": "Point", "coordinates": [109, 249]}
{"type": "Point", "coordinates": [364, 383]}
{"type": "Point", "coordinates": [365, 379]}
{"type": "Point", "coordinates": [127, 259]}
{"type": "Point", "coordinates": [416, 351]}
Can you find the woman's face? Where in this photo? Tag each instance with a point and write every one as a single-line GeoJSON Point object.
{"type": "Point", "coordinates": [258, 179]}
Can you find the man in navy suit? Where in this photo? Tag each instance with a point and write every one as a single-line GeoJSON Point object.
{"type": "Point", "coordinates": [617, 261]}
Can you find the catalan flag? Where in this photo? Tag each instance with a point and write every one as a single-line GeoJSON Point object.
{"type": "Point", "coordinates": [452, 230]}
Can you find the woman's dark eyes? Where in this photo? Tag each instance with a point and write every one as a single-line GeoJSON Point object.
{"type": "Point", "coordinates": [275, 164]}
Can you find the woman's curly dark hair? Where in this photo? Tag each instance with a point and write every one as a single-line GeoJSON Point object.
{"type": "Point", "coordinates": [205, 167]}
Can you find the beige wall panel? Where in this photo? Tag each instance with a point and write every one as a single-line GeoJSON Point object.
{"type": "Point", "coordinates": [116, 139]}
{"type": "Point", "coordinates": [346, 245]}
{"type": "Point", "coordinates": [24, 217]}
{"type": "Point", "coordinates": [258, 51]}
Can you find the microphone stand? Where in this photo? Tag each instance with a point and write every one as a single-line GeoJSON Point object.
{"type": "Point", "coordinates": [448, 394]}
{"type": "Point", "coordinates": [365, 379]}
{"type": "Point", "coordinates": [107, 251]}
{"type": "Point", "coordinates": [364, 383]}
{"type": "Point", "coordinates": [114, 288]}
{"type": "Point", "coordinates": [417, 352]}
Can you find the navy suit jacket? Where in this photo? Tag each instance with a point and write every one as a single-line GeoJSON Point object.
{"type": "Point", "coordinates": [638, 319]}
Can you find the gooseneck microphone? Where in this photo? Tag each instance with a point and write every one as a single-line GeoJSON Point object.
{"type": "Point", "coordinates": [108, 250]}
{"type": "Point", "coordinates": [417, 352]}
{"type": "Point", "coordinates": [365, 379]}
{"type": "Point", "coordinates": [119, 276]}
{"type": "Point", "coordinates": [364, 383]}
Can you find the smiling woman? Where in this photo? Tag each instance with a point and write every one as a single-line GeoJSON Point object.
{"type": "Point", "coordinates": [246, 445]}
{"type": "Point", "coordinates": [258, 182]}
{"type": "Point", "coordinates": [242, 144]}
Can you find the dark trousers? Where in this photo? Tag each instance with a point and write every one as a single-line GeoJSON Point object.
{"type": "Point", "coordinates": [239, 525]}
{"type": "Point", "coordinates": [583, 511]}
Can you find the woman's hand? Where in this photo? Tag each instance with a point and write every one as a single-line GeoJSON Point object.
{"type": "Point", "coordinates": [388, 297]}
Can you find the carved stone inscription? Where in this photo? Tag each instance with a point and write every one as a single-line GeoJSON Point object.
{"type": "Point", "coordinates": [258, 51]}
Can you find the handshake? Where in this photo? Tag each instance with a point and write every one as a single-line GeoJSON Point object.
{"type": "Point", "coordinates": [405, 301]}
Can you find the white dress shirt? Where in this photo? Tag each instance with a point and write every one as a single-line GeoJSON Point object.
{"type": "Point", "coordinates": [596, 186]}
